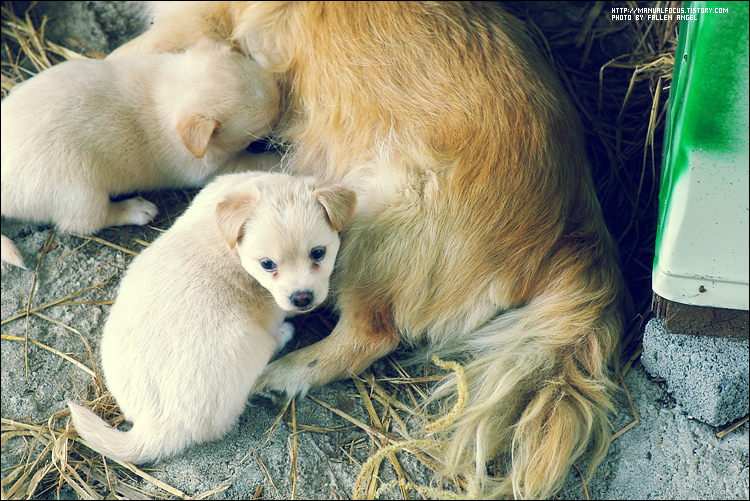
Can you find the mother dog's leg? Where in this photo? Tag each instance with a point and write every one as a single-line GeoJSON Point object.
{"type": "Point", "coordinates": [178, 25]}
{"type": "Point", "coordinates": [359, 338]}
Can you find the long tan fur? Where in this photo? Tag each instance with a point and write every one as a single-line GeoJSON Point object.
{"type": "Point", "coordinates": [477, 226]}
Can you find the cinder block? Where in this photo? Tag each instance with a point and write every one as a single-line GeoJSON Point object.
{"type": "Point", "coordinates": [708, 376]}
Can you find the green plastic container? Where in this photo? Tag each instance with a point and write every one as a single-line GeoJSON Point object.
{"type": "Point", "coordinates": [702, 239]}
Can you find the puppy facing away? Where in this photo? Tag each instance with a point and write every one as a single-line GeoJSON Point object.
{"type": "Point", "coordinates": [86, 129]}
{"type": "Point", "coordinates": [477, 226]}
{"type": "Point", "coordinates": [201, 311]}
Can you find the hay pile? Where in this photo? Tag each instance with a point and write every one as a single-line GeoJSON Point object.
{"type": "Point", "coordinates": [618, 74]}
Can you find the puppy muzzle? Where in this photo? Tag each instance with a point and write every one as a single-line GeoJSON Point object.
{"type": "Point", "coordinates": [302, 300]}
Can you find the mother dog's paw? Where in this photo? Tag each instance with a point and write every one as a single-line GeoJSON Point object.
{"type": "Point", "coordinates": [281, 381]}
{"type": "Point", "coordinates": [268, 397]}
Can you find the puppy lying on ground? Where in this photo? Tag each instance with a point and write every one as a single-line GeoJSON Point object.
{"type": "Point", "coordinates": [477, 225]}
{"type": "Point", "coordinates": [87, 129]}
{"type": "Point", "coordinates": [201, 311]}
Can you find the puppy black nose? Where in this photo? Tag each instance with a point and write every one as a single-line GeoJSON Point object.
{"type": "Point", "coordinates": [301, 299]}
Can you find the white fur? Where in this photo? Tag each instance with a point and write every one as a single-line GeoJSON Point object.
{"type": "Point", "coordinates": [192, 327]}
{"type": "Point", "coordinates": [86, 129]}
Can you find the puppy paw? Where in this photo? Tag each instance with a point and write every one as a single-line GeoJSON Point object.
{"type": "Point", "coordinates": [285, 334]}
{"type": "Point", "coordinates": [131, 211]}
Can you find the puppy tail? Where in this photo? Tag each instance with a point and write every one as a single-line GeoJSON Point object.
{"type": "Point", "coordinates": [130, 446]}
{"type": "Point", "coordinates": [539, 389]}
{"type": "Point", "coordinates": [9, 253]}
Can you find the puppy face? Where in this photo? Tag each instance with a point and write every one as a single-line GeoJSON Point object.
{"type": "Point", "coordinates": [286, 237]}
{"type": "Point", "coordinates": [294, 270]}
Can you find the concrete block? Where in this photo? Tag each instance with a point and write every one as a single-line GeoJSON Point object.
{"type": "Point", "coordinates": [708, 376]}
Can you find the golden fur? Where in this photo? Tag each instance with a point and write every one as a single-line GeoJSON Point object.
{"type": "Point", "coordinates": [477, 226]}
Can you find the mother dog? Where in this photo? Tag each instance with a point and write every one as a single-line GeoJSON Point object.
{"type": "Point", "coordinates": [477, 226]}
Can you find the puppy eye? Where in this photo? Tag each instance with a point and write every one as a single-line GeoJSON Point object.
{"type": "Point", "coordinates": [267, 265]}
{"type": "Point", "coordinates": [318, 253]}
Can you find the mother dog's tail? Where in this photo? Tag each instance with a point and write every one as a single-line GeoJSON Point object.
{"type": "Point", "coordinates": [539, 387]}
{"type": "Point", "coordinates": [137, 445]}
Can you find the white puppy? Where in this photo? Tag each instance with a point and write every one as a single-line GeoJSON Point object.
{"type": "Point", "coordinates": [201, 311]}
{"type": "Point", "coordinates": [87, 129]}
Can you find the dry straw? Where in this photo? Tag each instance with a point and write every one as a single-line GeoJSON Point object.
{"type": "Point", "coordinates": [618, 74]}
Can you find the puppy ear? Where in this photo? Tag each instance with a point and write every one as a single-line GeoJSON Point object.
{"type": "Point", "coordinates": [233, 212]}
{"type": "Point", "coordinates": [195, 132]}
{"type": "Point", "coordinates": [339, 203]}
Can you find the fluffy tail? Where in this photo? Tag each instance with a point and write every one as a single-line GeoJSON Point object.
{"type": "Point", "coordinates": [135, 446]}
{"type": "Point", "coordinates": [539, 390]}
{"type": "Point", "coordinates": [9, 253]}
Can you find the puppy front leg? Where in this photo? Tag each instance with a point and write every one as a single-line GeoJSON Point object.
{"type": "Point", "coordinates": [355, 343]}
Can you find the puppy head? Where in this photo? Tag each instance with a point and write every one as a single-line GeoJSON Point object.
{"type": "Point", "coordinates": [285, 232]}
{"type": "Point", "coordinates": [228, 102]}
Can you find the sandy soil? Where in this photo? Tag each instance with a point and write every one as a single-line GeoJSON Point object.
{"type": "Point", "coordinates": [666, 455]}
